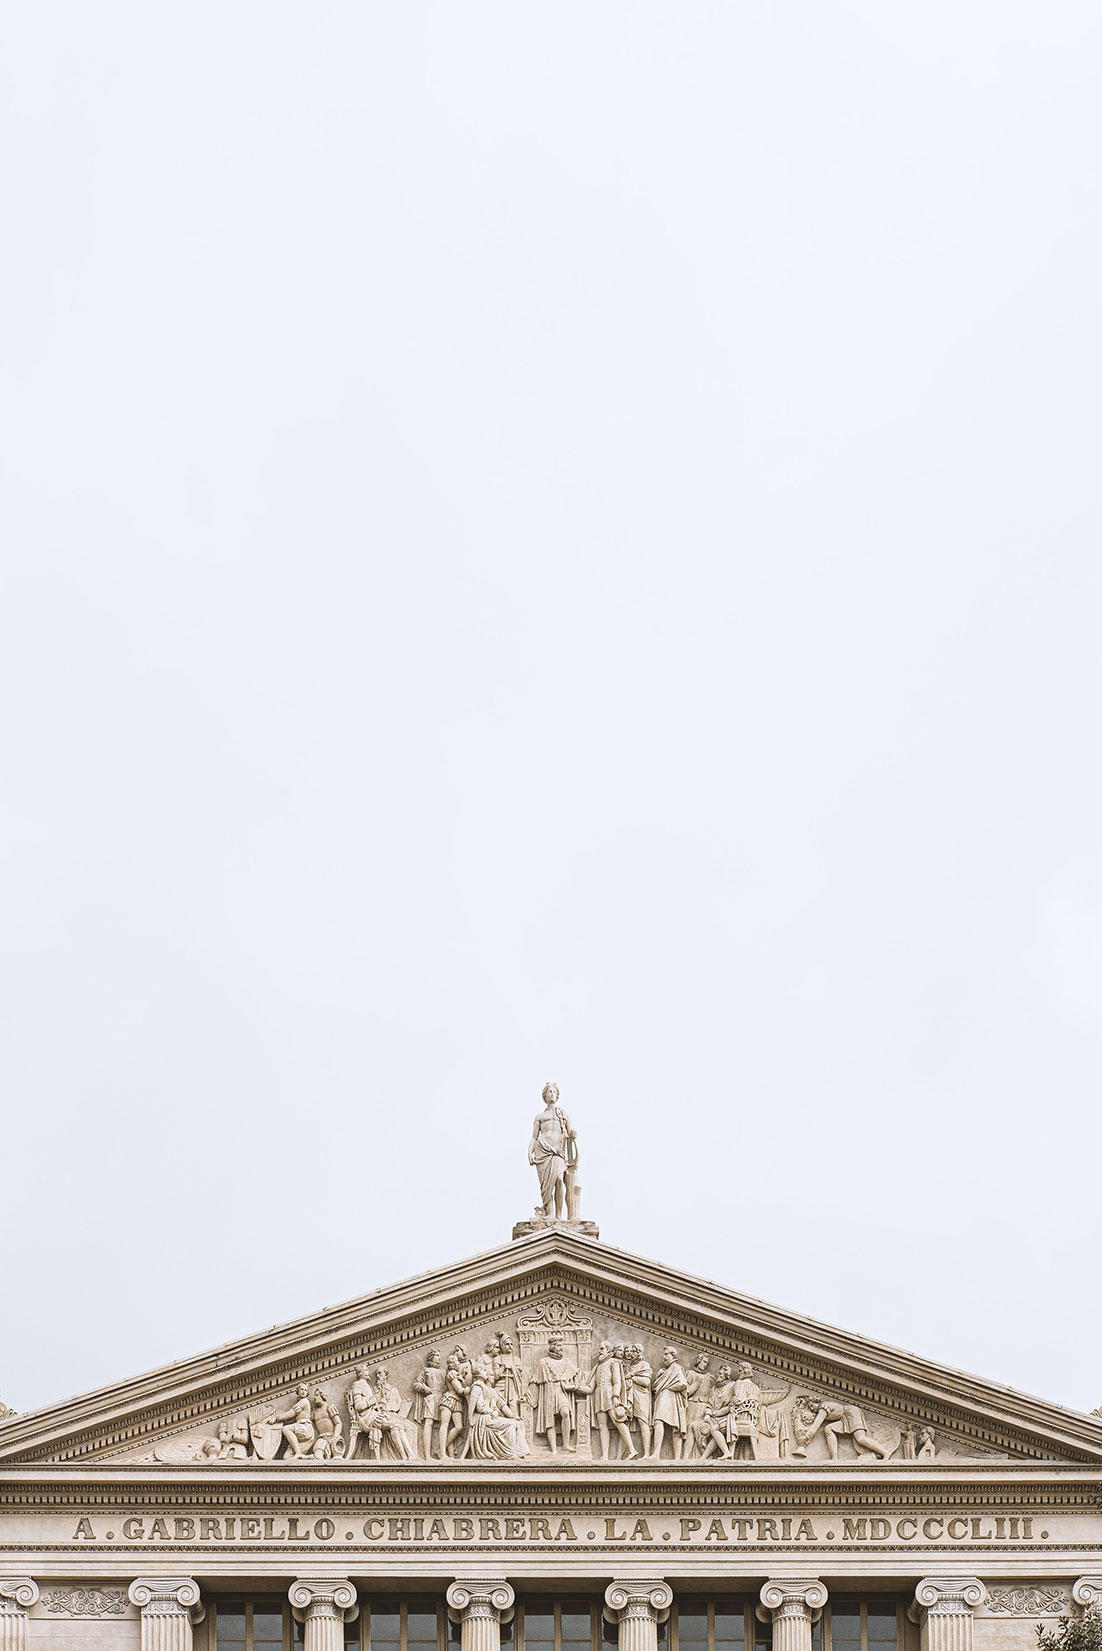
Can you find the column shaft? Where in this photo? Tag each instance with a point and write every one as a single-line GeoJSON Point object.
{"type": "Point", "coordinates": [324, 1629]}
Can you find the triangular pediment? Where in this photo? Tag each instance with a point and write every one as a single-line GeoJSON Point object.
{"type": "Point", "coordinates": [812, 1393]}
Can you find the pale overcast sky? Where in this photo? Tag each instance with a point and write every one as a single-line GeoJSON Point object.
{"type": "Point", "coordinates": [551, 541]}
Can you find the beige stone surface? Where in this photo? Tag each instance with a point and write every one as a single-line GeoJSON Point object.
{"type": "Point", "coordinates": [701, 1440]}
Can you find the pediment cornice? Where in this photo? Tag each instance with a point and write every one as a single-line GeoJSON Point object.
{"type": "Point", "coordinates": [556, 1263]}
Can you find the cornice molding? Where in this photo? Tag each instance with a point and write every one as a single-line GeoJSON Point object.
{"type": "Point", "coordinates": [177, 1397]}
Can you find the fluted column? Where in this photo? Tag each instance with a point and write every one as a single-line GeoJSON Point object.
{"type": "Point", "coordinates": [1087, 1592]}
{"type": "Point", "coordinates": [480, 1605]}
{"type": "Point", "coordinates": [638, 1607]}
{"type": "Point", "coordinates": [323, 1605]}
{"type": "Point", "coordinates": [944, 1606]}
{"type": "Point", "coordinates": [17, 1595]}
{"type": "Point", "coordinates": [792, 1604]}
{"type": "Point", "coordinates": [169, 1606]}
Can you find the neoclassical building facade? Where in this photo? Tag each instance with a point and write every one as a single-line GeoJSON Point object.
{"type": "Point", "coordinates": [555, 1446]}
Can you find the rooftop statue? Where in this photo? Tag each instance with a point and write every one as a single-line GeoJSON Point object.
{"type": "Point", "coordinates": [553, 1149]}
{"type": "Point", "coordinates": [553, 1154]}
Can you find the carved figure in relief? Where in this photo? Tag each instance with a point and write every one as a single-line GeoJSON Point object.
{"type": "Point", "coordinates": [551, 1394]}
{"type": "Point", "coordinates": [428, 1390]}
{"type": "Point", "coordinates": [375, 1412]}
{"type": "Point", "coordinates": [493, 1432]}
{"type": "Point", "coordinates": [837, 1420]}
{"type": "Point", "coordinates": [453, 1400]}
{"type": "Point", "coordinates": [670, 1404]}
{"type": "Point", "coordinates": [908, 1443]}
{"type": "Point", "coordinates": [639, 1380]}
{"type": "Point", "coordinates": [328, 1427]}
{"type": "Point", "coordinates": [553, 1150]}
{"type": "Point", "coordinates": [391, 1426]}
{"type": "Point", "coordinates": [609, 1389]}
{"type": "Point", "coordinates": [507, 1373]}
{"type": "Point", "coordinates": [296, 1424]}
{"type": "Point", "coordinates": [927, 1449]}
{"type": "Point", "coordinates": [752, 1412]}
{"type": "Point", "coordinates": [698, 1393]}
{"type": "Point", "coordinates": [710, 1433]}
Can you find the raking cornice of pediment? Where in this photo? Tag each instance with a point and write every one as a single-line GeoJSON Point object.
{"type": "Point", "coordinates": [596, 1283]}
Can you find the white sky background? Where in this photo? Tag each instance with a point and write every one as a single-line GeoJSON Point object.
{"type": "Point", "coordinates": [551, 541]}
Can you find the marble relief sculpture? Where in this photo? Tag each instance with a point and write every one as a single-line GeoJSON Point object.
{"type": "Point", "coordinates": [609, 1390]}
{"type": "Point", "coordinates": [553, 1394]}
{"type": "Point", "coordinates": [670, 1404]}
{"type": "Point", "coordinates": [640, 1378]}
{"type": "Point", "coordinates": [493, 1431]}
{"type": "Point", "coordinates": [375, 1407]}
{"type": "Point", "coordinates": [699, 1383]}
{"type": "Point", "coordinates": [837, 1420]}
{"type": "Point", "coordinates": [428, 1390]}
{"type": "Point", "coordinates": [296, 1424]}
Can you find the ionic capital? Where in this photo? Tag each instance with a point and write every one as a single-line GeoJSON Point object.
{"type": "Point", "coordinates": [471, 1597]}
{"type": "Point", "coordinates": [17, 1594]}
{"type": "Point", "coordinates": [947, 1596]}
{"type": "Point", "coordinates": [638, 1598]}
{"type": "Point", "coordinates": [802, 1597]}
{"type": "Point", "coordinates": [316, 1598]}
{"type": "Point", "coordinates": [167, 1596]}
{"type": "Point", "coordinates": [1087, 1592]}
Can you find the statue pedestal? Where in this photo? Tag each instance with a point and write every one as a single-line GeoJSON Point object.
{"type": "Point", "coordinates": [540, 1222]}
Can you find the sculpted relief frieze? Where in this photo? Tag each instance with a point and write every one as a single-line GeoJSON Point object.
{"type": "Point", "coordinates": [556, 1383]}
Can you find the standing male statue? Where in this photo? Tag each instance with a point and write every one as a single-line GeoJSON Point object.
{"type": "Point", "coordinates": [553, 1149]}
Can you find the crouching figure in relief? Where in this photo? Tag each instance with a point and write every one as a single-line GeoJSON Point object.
{"type": "Point", "coordinates": [837, 1420]}
{"type": "Point", "coordinates": [494, 1430]}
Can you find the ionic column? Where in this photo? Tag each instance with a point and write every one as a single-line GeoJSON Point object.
{"type": "Point", "coordinates": [17, 1595]}
{"type": "Point", "coordinates": [638, 1607]}
{"type": "Point", "coordinates": [480, 1605]}
{"type": "Point", "coordinates": [944, 1606]}
{"type": "Point", "coordinates": [324, 1605]}
{"type": "Point", "coordinates": [1087, 1592]}
{"type": "Point", "coordinates": [792, 1604]}
{"type": "Point", "coordinates": [169, 1606]}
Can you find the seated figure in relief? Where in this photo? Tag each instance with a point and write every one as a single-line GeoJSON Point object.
{"type": "Point", "coordinates": [296, 1424]}
{"type": "Point", "coordinates": [493, 1433]}
{"type": "Point", "coordinates": [753, 1412]}
{"type": "Point", "coordinates": [375, 1412]}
